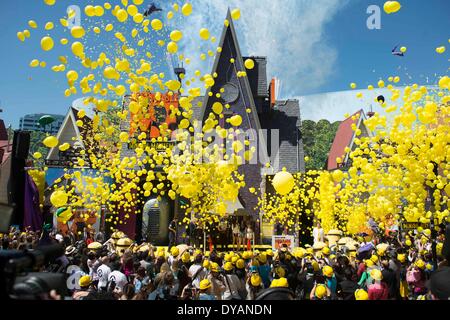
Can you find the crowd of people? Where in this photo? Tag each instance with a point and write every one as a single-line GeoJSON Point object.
{"type": "Point", "coordinates": [361, 268]}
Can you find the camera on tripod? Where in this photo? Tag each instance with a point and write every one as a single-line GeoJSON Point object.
{"type": "Point", "coordinates": [17, 279]}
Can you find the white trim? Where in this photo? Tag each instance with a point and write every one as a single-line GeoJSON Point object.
{"type": "Point", "coordinates": [63, 128]}
{"type": "Point", "coordinates": [360, 122]}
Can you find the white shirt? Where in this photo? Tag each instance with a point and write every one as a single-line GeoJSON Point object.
{"type": "Point", "coordinates": [233, 286]}
{"type": "Point", "coordinates": [103, 273]}
{"type": "Point", "coordinates": [318, 235]}
{"type": "Point", "coordinates": [119, 278]}
{"type": "Point", "coordinates": [200, 274]}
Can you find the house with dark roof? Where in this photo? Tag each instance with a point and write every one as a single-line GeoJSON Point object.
{"type": "Point", "coordinates": [273, 125]}
{"type": "Point", "coordinates": [276, 123]}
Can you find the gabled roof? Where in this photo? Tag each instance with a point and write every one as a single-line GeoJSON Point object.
{"type": "Point", "coordinates": [69, 129]}
{"type": "Point", "coordinates": [344, 138]}
{"type": "Point", "coordinates": [243, 81]}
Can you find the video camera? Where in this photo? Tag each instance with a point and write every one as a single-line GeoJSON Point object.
{"type": "Point", "coordinates": [17, 281]}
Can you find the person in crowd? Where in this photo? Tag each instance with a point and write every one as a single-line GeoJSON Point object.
{"type": "Point", "coordinates": [173, 227]}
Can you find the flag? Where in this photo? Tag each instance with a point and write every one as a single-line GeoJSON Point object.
{"type": "Point", "coordinates": [33, 217]}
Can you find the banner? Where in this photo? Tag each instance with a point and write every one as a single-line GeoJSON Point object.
{"type": "Point", "coordinates": [278, 241]}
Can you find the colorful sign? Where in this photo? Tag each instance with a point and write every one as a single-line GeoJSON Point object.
{"type": "Point", "coordinates": [160, 109]}
{"type": "Point", "coordinates": [278, 241]}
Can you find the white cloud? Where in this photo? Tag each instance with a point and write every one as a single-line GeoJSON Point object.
{"type": "Point", "coordinates": [289, 32]}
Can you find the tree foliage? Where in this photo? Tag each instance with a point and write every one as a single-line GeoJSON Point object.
{"type": "Point", "coordinates": [317, 140]}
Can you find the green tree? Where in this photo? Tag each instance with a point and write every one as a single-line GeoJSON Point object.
{"type": "Point", "coordinates": [317, 140]}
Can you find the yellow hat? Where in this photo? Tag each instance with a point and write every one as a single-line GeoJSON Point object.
{"type": "Point", "coordinates": [279, 283]}
{"type": "Point", "coordinates": [374, 258]}
{"type": "Point", "coordinates": [262, 258]}
{"type": "Point", "coordinates": [186, 257]}
{"type": "Point", "coordinates": [256, 280]}
{"type": "Point", "coordinates": [361, 294]}
{"type": "Point", "coordinates": [175, 251]}
{"type": "Point", "coordinates": [332, 256]}
{"type": "Point", "coordinates": [408, 243]}
{"type": "Point", "coordinates": [420, 264]}
{"type": "Point", "coordinates": [401, 257]}
{"type": "Point", "coordinates": [310, 251]}
{"type": "Point", "coordinates": [299, 253]}
{"type": "Point", "coordinates": [95, 246]}
{"type": "Point", "coordinates": [269, 252]}
{"type": "Point", "coordinates": [280, 272]}
{"type": "Point", "coordinates": [429, 266]}
{"type": "Point", "coordinates": [228, 266]}
{"type": "Point", "coordinates": [161, 254]}
{"type": "Point", "coordinates": [197, 252]}
{"type": "Point", "coordinates": [247, 255]}
{"type": "Point", "coordinates": [376, 274]}
{"type": "Point", "coordinates": [240, 264]}
{"type": "Point", "coordinates": [205, 284]}
{"type": "Point", "coordinates": [206, 264]}
{"type": "Point", "coordinates": [326, 251]}
{"type": "Point", "coordinates": [215, 267]}
{"type": "Point", "coordinates": [85, 281]}
{"type": "Point", "coordinates": [369, 263]}
{"type": "Point", "coordinates": [234, 259]}
{"type": "Point", "coordinates": [207, 254]}
{"type": "Point", "coordinates": [321, 291]}
{"type": "Point", "coordinates": [228, 257]}
{"type": "Point", "coordinates": [327, 271]}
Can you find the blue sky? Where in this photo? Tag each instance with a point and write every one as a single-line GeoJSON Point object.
{"type": "Point", "coordinates": [312, 46]}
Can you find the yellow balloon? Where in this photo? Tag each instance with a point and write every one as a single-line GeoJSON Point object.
{"type": "Point", "coordinates": [391, 7]}
{"type": "Point", "coordinates": [236, 120]}
{"type": "Point", "coordinates": [99, 11]}
{"type": "Point", "coordinates": [249, 64]}
{"type": "Point", "coordinates": [176, 35]}
{"type": "Point", "coordinates": [89, 10]}
{"type": "Point", "coordinates": [50, 2]}
{"type": "Point", "coordinates": [77, 32]}
{"type": "Point", "coordinates": [204, 34]}
{"type": "Point", "coordinates": [156, 24]}
{"type": "Point", "coordinates": [49, 26]}
{"type": "Point", "coordinates": [47, 43]}
{"type": "Point", "coordinates": [236, 14]}
{"type": "Point", "coordinates": [72, 75]}
{"type": "Point", "coordinates": [187, 9]}
{"type": "Point", "coordinates": [78, 49]}
{"type": "Point", "coordinates": [32, 24]}
{"type": "Point", "coordinates": [21, 36]}
{"type": "Point", "coordinates": [283, 182]}
{"type": "Point", "coordinates": [122, 15]}
{"type": "Point", "coordinates": [34, 63]}
{"type": "Point", "coordinates": [217, 107]}
{"type": "Point", "coordinates": [59, 198]}
{"type": "Point", "coordinates": [64, 147]}
{"type": "Point", "coordinates": [50, 142]}
{"type": "Point", "coordinates": [172, 47]}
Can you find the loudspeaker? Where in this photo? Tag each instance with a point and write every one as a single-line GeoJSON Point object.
{"type": "Point", "coordinates": [16, 183]}
{"type": "Point", "coordinates": [21, 144]}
